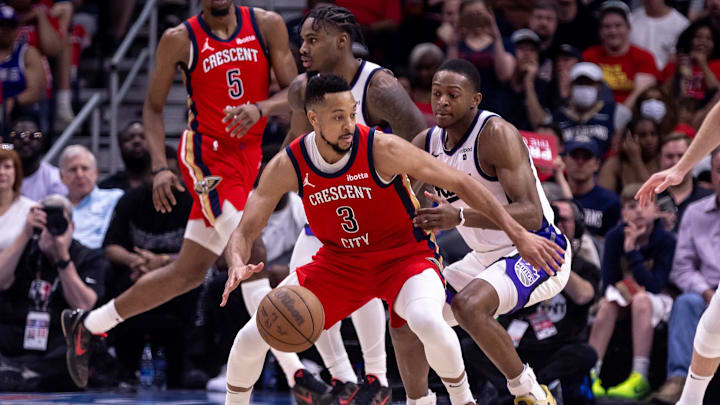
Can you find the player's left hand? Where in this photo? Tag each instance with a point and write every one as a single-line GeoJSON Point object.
{"type": "Point", "coordinates": [241, 119]}
{"type": "Point", "coordinates": [540, 252]}
{"type": "Point", "coordinates": [443, 216]}
{"type": "Point", "coordinates": [236, 275]}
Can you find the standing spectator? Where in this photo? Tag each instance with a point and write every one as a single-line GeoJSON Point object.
{"type": "Point", "coordinates": [21, 70]}
{"type": "Point", "coordinates": [93, 206]}
{"type": "Point", "coordinates": [135, 156]}
{"type": "Point", "coordinates": [40, 276]}
{"type": "Point", "coordinates": [586, 116]}
{"type": "Point", "coordinates": [672, 148]}
{"type": "Point", "coordinates": [602, 206]}
{"type": "Point", "coordinates": [627, 69]}
{"type": "Point", "coordinates": [576, 24]}
{"type": "Point", "coordinates": [14, 207]}
{"type": "Point", "coordinates": [695, 73]}
{"type": "Point", "coordinates": [696, 272]}
{"type": "Point", "coordinates": [525, 100]}
{"type": "Point", "coordinates": [544, 22]}
{"type": "Point", "coordinates": [41, 178]}
{"type": "Point", "coordinates": [638, 157]}
{"type": "Point", "coordinates": [636, 266]}
{"type": "Point", "coordinates": [425, 58]}
{"type": "Point", "coordinates": [656, 28]}
{"type": "Point", "coordinates": [481, 43]}
{"type": "Point", "coordinates": [447, 31]}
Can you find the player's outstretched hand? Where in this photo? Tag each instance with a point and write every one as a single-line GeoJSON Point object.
{"type": "Point", "coordinates": [163, 183]}
{"type": "Point", "coordinates": [241, 119]}
{"type": "Point", "coordinates": [657, 183]}
{"type": "Point", "coordinates": [443, 216]}
{"type": "Point", "coordinates": [237, 274]}
{"type": "Point", "coordinates": [540, 252]}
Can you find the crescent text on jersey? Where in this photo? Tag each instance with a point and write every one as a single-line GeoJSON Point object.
{"type": "Point", "coordinates": [342, 192]}
{"type": "Point", "coordinates": [237, 54]}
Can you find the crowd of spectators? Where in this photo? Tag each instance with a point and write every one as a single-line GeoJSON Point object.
{"type": "Point", "coordinates": [620, 87]}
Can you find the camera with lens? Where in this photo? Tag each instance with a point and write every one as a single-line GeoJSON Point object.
{"type": "Point", "coordinates": [56, 224]}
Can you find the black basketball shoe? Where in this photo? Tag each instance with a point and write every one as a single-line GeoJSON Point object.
{"type": "Point", "coordinates": [79, 341]}
{"type": "Point", "coordinates": [372, 393]}
{"type": "Point", "coordinates": [308, 390]}
{"type": "Point", "coordinates": [343, 392]}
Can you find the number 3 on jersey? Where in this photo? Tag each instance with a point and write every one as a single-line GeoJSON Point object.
{"type": "Point", "coordinates": [235, 84]}
{"type": "Point", "coordinates": [349, 225]}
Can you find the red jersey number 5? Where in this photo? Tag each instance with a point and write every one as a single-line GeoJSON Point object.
{"type": "Point", "coordinates": [235, 84]}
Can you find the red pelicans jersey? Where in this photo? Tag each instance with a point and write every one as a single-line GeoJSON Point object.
{"type": "Point", "coordinates": [353, 210]}
{"type": "Point", "coordinates": [226, 73]}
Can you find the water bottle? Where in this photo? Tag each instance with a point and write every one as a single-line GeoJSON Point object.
{"type": "Point", "coordinates": [160, 365]}
{"type": "Point", "coordinates": [147, 369]}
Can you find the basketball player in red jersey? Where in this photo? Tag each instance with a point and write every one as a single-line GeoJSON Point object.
{"type": "Point", "coordinates": [225, 54]}
{"type": "Point", "coordinates": [359, 204]}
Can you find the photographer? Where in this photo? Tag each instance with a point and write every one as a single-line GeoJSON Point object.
{"type": "Point", "coordinates": [43, 272]}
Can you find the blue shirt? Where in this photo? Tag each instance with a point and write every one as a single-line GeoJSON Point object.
{"type": "Point", "coordinates": [602, 210]}
{"type": "Point", "coordinates": [598, 126]}
{"type": "Point", "coordinates": [92, 216]}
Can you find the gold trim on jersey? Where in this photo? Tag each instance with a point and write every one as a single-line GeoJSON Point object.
{"type": "Point", "coordinates": [188, 158]}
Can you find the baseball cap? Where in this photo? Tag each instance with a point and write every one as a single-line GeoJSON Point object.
{"type": "Point", "coordinates": [525, 35]}
{"type": "Point", "coordinates": [615, 5]}
{"type": "Point", "coordinates": [586, 69]}
{"type": "Point", "coordinates": [586, 144]}
{"type": "Point", "coordinates": [7, 13]}
{"type": "Point", "coordinates": [567, 49]}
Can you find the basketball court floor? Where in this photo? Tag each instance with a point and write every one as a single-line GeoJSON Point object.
{"type": "Point", "coordinates": [170, 397]}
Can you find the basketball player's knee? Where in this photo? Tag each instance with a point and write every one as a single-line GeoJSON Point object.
{"type": "Point", "coordinates": [403, 338]}
{"type": "Point", "coordinates": [707, 336]}
{"type": "Point", "coordinates": [641, 305]}
{"type": "Point", "coordinates": [469, 306]}
{"type": "Point", "coordinates": [427, 325]}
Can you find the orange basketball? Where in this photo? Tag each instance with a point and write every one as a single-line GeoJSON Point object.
{"type": "Point", "coordinates": [290, 318]}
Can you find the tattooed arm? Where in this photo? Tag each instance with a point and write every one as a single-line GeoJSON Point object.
{"type": "Point", "coordinates": [388, 102]}
{"type": "Point", "coordinates": [298, 119]}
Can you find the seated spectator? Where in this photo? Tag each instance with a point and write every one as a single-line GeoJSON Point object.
{"type": "Point", "coordinates": [481, 43]}
{"type": "Point", "coordinates": [696, 272]}
{"type": "Point", "coordinates": [695, 72]}
{"type": "Point", "coordinates": [525, 100]}
{"type": "Point", "coordinates": [37, 28]}
{"type": "Point", "coordinates": [656, 28]}
{"type": "Point", "coordinates": [602, 206]}
{"type": "Point", "coordinates": [638, 157]}
{"type": "Point", "coordinates": [135, 156]}
{"type": "Point", "coordinates": [576, 24]}
{"type": "Point", "coordinates": [93, 206]}
{"type": "Point", "coordinates": [658, 105]}
{"type": "Point", "coordinates": [586, 115]}
{"type": "Point", "coordinates": [544, 22]}
{"type": "Point", "coordinates": [40, 178]}
{"type": "Point", "coordinates": [677, 198]}
{"type": "Point", "coordinates": [627, 69]}
{"type": "Point", "coordinates": [40, 276]}
{"type": "Point", "coordinates": [636, 266]}
{"type": "Point", "coordinates": [21, 69]}
{"type": "Point", "coordinates": [566, 58]}
{"type": "Point", "coordinates": [14, 207]}
{"type": "Point", "coordinates": [556, 345]}
{"type": "Point", "coordinates": [425, 58]}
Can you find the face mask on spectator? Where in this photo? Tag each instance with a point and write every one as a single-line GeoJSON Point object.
{"type": "Point", "coordinates": [584, 96]}
{"type": "Point", "coordinates": [653, 109]}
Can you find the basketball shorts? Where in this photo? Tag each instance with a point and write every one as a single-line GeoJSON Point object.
{"type": "Point", "coordinates": [517, 283]}
{"type": "Point", "coordinates": [344, 282]}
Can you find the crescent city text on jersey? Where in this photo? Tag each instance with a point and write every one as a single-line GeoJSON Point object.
{"type": "Point", "coordinates": [341, 192]}
{"type": "Point", "coordinates": [224, 56]}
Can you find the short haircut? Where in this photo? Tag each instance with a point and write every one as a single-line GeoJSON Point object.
{"type": "Point", "coordinates": [320, 85]}
{"type": "Point", "coordinates": [546, 5]}
{"type": "Point", "coordinates": [465, 3]}
{"type": "Point", "coordinates": [465, 68]}
{"type": "Point", "coordinates": [7, 153]}
{"type": "Point", "coordinates": [335, 16]}
{"type": "Point", "coordinates": [674, 136]}
{"type": "Point", "coordinates": [74, 150]}
{"type": "Point", "coordinates": [22, 114]}
{"type": "Point", "coordinates": [57, 200]}
{"type": "Point", "coordinates": [129, 125]}
{"type": "Point", "coordinates": [628, 192]}
{"type": "Point", "coordinates": [425, 48]}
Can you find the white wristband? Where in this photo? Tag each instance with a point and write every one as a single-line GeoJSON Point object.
{"type": "Point", "coordinates": [462, 216]}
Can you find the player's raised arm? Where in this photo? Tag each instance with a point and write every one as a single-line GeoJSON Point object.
{"type": "Point", "coordinates": [705, 141]}
{"type": "Point", "coordinates": [388, 101]}
{"type": "Point", "coordinates": [396, 156]}
{"type": "Point", "coordinates": [278, 178]}
{"type": "Point", "coordinates": [172, 50]}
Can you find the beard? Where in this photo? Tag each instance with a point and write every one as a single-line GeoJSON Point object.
{"type": "Point", "coordinates": [219, 12]}
{"type": "Point", "coordinates": [134, 163]}
{"type": "Point", "coordinates": [335, 146]}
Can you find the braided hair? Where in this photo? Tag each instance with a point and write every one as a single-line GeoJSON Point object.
{"type": "Point", "coordinates": [331, 15]}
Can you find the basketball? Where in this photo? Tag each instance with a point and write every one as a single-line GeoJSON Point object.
{"type": "Point", "coordinates": [290, 318]}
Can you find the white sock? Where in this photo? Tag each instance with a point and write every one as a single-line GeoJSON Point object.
{"type": "Point", "coordinates": [237, 398]}
{"type": "Point", "coordinates": [526, 383]}
{"type": "Point", "coordinates": [102, 319]}
{"type": "Point", "coordinates": [332, 350]}
{"type": "Point", "coordinates": [641, 365]}
{"type": "Point", "coordinates": [598, 367]}
{"type": "Point", "coordinates": [460, 391]}
{"type": "Point", "coordinates": [64, 97]}
{"type": "Point", "coordinates": [694, 390]}
{"type": "Point", "coordinates": [429, 399]}
{"type": "Point", "coordinates": [369, 321]}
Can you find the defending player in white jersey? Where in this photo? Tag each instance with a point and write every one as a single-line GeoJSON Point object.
{"type": "Point", "coordinates": [492, 279]}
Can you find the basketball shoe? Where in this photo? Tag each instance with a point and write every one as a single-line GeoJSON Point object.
{"type": "Point", "coordinates": [343, 392]}
{"type": "Point", "coordinates": [308, 390]}
{"type": "Point", "coordinates": [530, 400]}
{"type": "Point", "coordinates": [79, 341]}
{"type": "Point", "coordinates": [371, 392]}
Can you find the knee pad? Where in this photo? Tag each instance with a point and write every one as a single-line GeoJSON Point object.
{"type": "Point", "coordinates": [707, 336]}
{"type": "Point", "coordinates": [253, 292]}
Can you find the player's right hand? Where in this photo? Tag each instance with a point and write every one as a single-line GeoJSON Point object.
{"type": "Point", "coordinates": [163, 183]}
{"type": "Point", "coordinates": [657, 183]}
{"type": "Point", "coordinates": [540, 252]}
{"type": "Point", "coordinates": [236, 275]}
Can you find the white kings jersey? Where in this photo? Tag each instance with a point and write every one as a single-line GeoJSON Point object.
{"type": "Point", "coordinates": [463, 157]}
{"type": "Point", "coordinates": [359, 86]}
